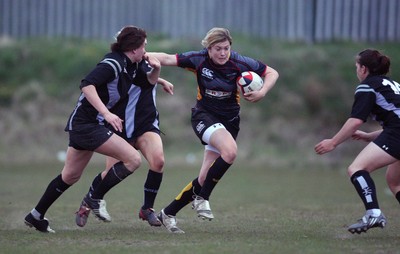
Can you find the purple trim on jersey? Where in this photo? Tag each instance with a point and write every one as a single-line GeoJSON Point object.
{"type": "Point", "coordinates": [110, 88]}
{"type": "Point", "coordinates": [156, 122]}
{"type": "Point", "coordinates": [75, 110]}
{"type": "Point", "coordinates": [131, 110]}
{"type": "Point", "coordinates": [138, 110]}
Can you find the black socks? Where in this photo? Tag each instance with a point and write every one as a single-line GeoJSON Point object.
{"type": "Point", "coordinates": [215, 173]}
{"type": "Point", "coordinates": [115, 175]}
{"type": "Point", "coordinates": [151, 186]}
{"type": "Point", "coordinates": [365, 188]}
{"type": "Point", "coordinates": [54, 190]}
{"type": "Point", "coordinates": [184, 198]}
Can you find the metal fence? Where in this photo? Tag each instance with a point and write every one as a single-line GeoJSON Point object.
{"type": "Point", "coordinates": [292, 20]}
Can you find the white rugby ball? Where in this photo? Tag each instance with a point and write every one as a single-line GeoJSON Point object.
{"type": "Point", "coordinates": [249, 81]}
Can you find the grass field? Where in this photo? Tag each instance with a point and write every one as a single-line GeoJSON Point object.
{"type": "Point", "coordinates": [257, 210]}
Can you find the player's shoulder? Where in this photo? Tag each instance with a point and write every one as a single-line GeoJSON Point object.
{"type": "Point", "coordinates": [114, 59]}
{"type": "Point", "coordinates": [194, 53]}
{"type": "Point", "coordinates": [375, 81]}
{"type": "Point", "coordinates": [192, 59]}
{"type": "Point", "coordinates": [245, 63]}
{"type": "Point", "coordinates": [241, 59]}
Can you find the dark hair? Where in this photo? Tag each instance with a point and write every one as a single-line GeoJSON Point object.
{"type": "Point", "coordinates": [376, 62]}
{"type": "Point", "coordinates": [129, 38]}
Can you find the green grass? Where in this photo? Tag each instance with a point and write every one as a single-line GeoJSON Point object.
{"type": "Point", "coordinates": [257, 210]}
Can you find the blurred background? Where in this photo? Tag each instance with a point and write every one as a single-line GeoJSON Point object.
{"type": "Point", "coordinates": [48, 46]}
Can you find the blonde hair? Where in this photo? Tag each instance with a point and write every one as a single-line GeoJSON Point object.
{"type": "Point", "coordinates": [216, 35]}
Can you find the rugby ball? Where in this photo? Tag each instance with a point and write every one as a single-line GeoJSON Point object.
{"type": "Point", "coordinates": [249, 81]}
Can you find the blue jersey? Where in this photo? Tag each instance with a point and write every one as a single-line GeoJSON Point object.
{"type": "Point", "coordinates": [378, 97]}
{"type": "Point", "coordinates": [112, 78]}
{"type": "Point", "coordinates": [217, 90]}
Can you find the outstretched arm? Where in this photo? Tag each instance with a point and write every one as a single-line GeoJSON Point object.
{"type": "Point", "coordinates": [348, 129]}
{"type": "Point", "coordinates": [164, 58]}
{"type": "Point", "coordinates": [154, 74]}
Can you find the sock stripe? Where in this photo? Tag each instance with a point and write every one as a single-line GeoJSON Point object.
{"type": "Point", "coordinates": [186, 189]}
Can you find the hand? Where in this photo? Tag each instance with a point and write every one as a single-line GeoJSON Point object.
{"type": "Point", "coordinates": [324, 146]}
{"type": "Point", "coordinates": [114, 121]}
{"type": "Point", "coordinates": [153, 61]}
{"type": "Point", "coordinates": [168, 88]}
{"type": "Point", "coordinates": [253, 96]}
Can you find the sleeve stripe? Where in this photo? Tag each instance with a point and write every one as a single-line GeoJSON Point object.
{"type": "Point", "coordinates": [364, 88]}
{"type": "Point", "coordinates": [114, 64]}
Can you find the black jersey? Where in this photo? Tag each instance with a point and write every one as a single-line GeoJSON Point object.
{"type": "Point", "coordinates": [138, 109]}
{"type": "Point", "coordinates": [112, 78]}
{"type": "Point", "coordinates": [378, 97]}
{"type": "Point", "coordinates": [217, 90]}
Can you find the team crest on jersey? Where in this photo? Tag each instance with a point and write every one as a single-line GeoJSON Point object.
{"type": "Point", "coordinates": [200, 126]}
{"type": "Point", "coordinates": [207, 73]}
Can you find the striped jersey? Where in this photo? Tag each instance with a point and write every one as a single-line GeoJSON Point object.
{"type": "Point", "coordinates": [378, 97]}
{"type": "Point", "coordinates": [138, 109]}
{"type": "Point", "coordinates": [112, 78]}
{"type": "Point", "coordinates": [217, 90]}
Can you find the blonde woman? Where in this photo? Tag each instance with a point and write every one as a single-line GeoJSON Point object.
{"type": "Point", "coordinates": [215, 116]}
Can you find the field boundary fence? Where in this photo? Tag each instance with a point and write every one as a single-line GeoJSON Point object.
{"type": "Point", "coordinates": [289, 20]}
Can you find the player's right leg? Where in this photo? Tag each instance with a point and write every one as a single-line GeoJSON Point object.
{"type": "Point", "coordinates": [169, 221]}
{"type": "Point", "coordinates": [370, 158]}
{"type": "Point", "coordinates": [75, 163]}
{"type": "Point", "coordinates": [128, 159]}
{"type": "Point", "coordinates": [167, 216]}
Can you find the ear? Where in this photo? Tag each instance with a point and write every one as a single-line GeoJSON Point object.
{"type": "Point", "coordinates": [364, 69]}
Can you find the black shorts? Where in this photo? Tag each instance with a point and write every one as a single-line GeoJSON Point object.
{"type": "Point", "coordinates": [89, 136]}
{"type": "Point", "coordinates": [389, 141]}
{"type": "Point", "coordinates": [202, 120]}
{"type": "Point", "coordinates": [139, 131]}
{"type": "Point", "coordinates": [137, 134]}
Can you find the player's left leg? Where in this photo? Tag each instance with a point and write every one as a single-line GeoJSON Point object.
{"type": "Point", "coordinates": [151, 146]}
{"type": "Point", "coordinates": [224, 143]}
{"type": "Point", "coordinates": [370, 158]}
{"type": "Point", "coordinates": [75, 163]}
{"type": "Point", "coordinates": [393, 179]}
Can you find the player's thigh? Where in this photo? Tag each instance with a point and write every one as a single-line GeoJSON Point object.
{"type": "Point", "coordinates": [372, 157]}
{"type": "Point", "coordinates": [225, 144]}
{"type": "Point", "coordinates": [121, 150]}
{"type": "Point", "coordinates": [75, 163]}
{"type": "Point", "coordinates": [393, 177]}
{"type": "Point", "coordinates": [151, 146]}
